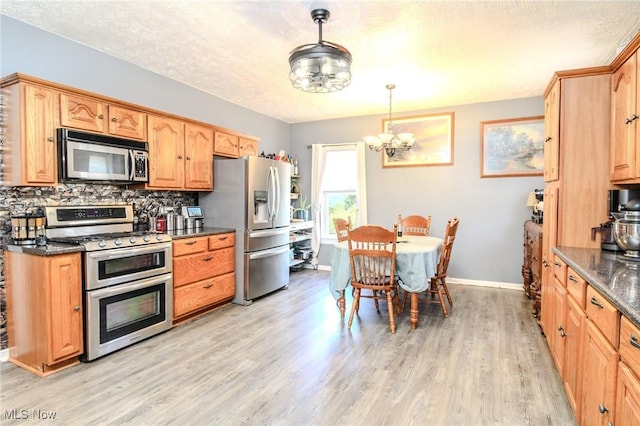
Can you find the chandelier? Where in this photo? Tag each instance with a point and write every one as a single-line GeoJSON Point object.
{"type": "Point", "coordinates": [321, 67]}
{"type": "Point", "coordinates": [389, 140]}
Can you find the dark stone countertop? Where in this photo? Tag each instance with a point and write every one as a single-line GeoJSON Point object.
{"type": "Point", "coordinates": [177, 235]}
{"type": "Point", "coordinates": [618, 280]}
{"type": "Point", "coordinates": [51, 249]}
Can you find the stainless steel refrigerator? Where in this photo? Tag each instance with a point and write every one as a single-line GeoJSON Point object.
{"type": "Point", "coordinates": [251, 195]}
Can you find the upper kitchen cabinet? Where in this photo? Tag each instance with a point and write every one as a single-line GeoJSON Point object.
{"type": "Point", "coordinates": [94, 115]}
{"type": "Point", "coordinates": [198, 164]}
{"type": "Point", "coordinates": [230, 145]}
{"type": "Point", "coordinates": [30, 133]}
{"type": "Point", "coordinates": [180, 155]}
{"type": "Point", "coordinates": [552, 133]}
{"type": "Point", "coordinates": [166, 153]}
{"type": "Point", "coordinates": [625, 112]}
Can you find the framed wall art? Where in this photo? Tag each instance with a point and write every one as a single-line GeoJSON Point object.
{"type": "Point", "coordinates": [513, 147]}
{"type": "Point", "coordinates": [433, 145]}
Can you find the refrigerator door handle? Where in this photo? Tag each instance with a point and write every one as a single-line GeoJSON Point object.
{"type": "Point", "coordinates": [270, 252]}
{"type": "Point", "coordinates": [269, 232]}
{"type": "Point", "coordinates": [270, 195]}
{"type": "Point", "coordinates": [276, 189]}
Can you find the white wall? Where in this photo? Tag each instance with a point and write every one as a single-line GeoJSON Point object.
{"type": "Point", "coordinates": [489, 243]}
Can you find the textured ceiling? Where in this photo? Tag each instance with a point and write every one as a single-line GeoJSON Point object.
{"type": "Point", "coordinates": [438, 53]}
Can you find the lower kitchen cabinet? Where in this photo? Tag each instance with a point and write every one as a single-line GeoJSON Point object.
{"type": "Point", "coordinates": [203, 274]}
{"type": "Point", "coordinates": [627, 397]}
{"type": "Point", "coordinates": [44, 311]}
{"type": "Point", "coordinates": [600, 367]}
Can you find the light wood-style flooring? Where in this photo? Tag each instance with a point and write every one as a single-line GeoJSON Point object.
{"type": "Point", "coordinates": [289, 359]}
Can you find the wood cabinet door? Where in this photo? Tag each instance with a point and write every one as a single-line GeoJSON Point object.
{"type": "Point", "coordinates": [627, 397]}
{"type": "Point", "coordinates": [624, 152]}
{"type": "Point", "coordinates": [599, 377]}
{"type": "Point", "coordinates": [552, 133]}
{"type": "Point", "coordinates": [247, 147]}
{"type": "Point", "coordinates": [127, 123]}
{"type": "Point", "coordinates": [84, 113]}
{"type": "Point", "coordinates": [64, 307]}
{"type": "Point", "coordinates": [166, 152]}
{"type": "Point", "coordinates": [574, 327]}
{"type": "Point", "coordinates": [549, 230]}
{"type": "Point", "coordinates": [558, 333]}
{"type": "Point", "coordinates": [198, 164]}
{"type": "Point", "coordinates": [38, 142]}
{"type": "Point", "coordinates": [225, 144]}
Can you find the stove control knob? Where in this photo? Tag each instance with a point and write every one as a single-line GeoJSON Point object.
{"type": "Point", "coordinates": [146, 238]}
{"type": "Point", "coordinates": [132, 240]}
{"type": "Point", "coordinates": [118, 242]}
{"type": "Point", "coordinates": [102, 243]}
{"type": "Point", "coordinates": [159, 237]}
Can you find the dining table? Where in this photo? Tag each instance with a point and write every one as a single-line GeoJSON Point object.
{"type": "Point", "coordinates": [416, 262]}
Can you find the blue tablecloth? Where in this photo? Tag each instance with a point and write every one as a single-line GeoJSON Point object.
{"type": "Point", "coordinates": [416, 262]}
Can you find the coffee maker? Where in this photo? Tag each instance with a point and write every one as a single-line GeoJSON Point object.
{"type": "Point", "coordinates": [616, 200]}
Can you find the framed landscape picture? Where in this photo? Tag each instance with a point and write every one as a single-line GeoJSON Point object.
{"type": "Point", "coordinates": [433, 145]}
{"type": "Point", "coordinates": [513, 147]}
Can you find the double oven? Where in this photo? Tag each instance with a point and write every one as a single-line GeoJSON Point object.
{"type": "Point", "coordinates": [127, 275]}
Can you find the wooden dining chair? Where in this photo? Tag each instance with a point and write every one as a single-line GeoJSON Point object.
{"type": "Point", "coordinates": [416, 225]}
{"type": "Point", "coordinates": [342, 227]}
{"type": "Point", "coordinates": [438, 283]}
{"type": "Point", "coordinates": [372, 259]}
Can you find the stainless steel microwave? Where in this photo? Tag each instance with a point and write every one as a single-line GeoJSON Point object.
{"type": "Point", "coordinates": [97, 158]}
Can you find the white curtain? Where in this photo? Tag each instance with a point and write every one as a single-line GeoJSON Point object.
{"type": "Point", "coordinates": [317, 173]}
{"type": "Point", "coordinates": [362, 183]}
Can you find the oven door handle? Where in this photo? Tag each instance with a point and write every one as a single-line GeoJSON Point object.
{"type": "Point", "coordinates": [128, 251]}
{"type": "Point", "coordinates": [128, 287]}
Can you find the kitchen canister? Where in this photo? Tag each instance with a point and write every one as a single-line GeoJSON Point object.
{"type": "Point", "coordinates": [178, 222]}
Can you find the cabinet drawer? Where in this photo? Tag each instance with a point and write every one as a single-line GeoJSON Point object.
{"type": "Point", "coordinates": [201, 294]}
{"type": "Point", "coordinates": [630, 344]}
{"type": "Point", "coordinates": [189, 246]}
{"type": "Point", "coordinates": [577, 287]}
{"type": "Point", "coordinates": [604, 315]}
{"type": "Point", "coordinates": [221, 241]}
{"type": "Point", "coordinates": [560, 270]}
{"type": "Point", "coordinates": [198, 267]}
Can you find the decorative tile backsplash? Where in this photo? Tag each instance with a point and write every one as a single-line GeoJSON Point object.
{"type": "Point", "coordinates": [16, 200]}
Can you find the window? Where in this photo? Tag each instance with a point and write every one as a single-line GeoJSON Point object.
{"type": "Point", "coordinates": [342, 187]}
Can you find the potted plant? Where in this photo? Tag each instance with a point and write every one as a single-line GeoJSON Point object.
{"type": "Point", "coordinates": [302, 211]}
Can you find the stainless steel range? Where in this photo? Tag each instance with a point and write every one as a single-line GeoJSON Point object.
{"type": "Point", "coordinates": [127, 275]}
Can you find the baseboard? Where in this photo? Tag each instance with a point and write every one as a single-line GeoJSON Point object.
{"type": "Point", "coordinates": [462, 281]}
{"type": "Point", "coordinates": [4, 355]}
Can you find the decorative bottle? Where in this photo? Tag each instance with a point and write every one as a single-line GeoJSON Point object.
{"type": "Point", "coordinates": [399, 226]}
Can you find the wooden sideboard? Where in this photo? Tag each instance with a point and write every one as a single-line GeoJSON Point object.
{"type": "Point", "coordinates": [532, 264]}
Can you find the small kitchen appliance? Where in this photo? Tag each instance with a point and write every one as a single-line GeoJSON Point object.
{"type": "Point", "coordinates": [626, 229]}
{"type": "Point", "coordinates": [127, 275]}
{"type": "Point", "coordinates": [194, 217]}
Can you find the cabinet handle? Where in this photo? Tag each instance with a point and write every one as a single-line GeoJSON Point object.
{"type": "Point", "coordinates": [190, 243]}
{"type": "Point", "coordinates": [101, 116]}
{"type": "Point", "coordinates": [572, 278]}
{"type": "Point", "coordinates": [634, 341]}
{"type": "Point", "coordinates": [208, 286]}
{"type": "Point", "coordinates": [188, 158]}
{"type": "Point", "coordinates": [50, 139]}
{"type": "Point", "coordinates": [208, 258]}
{"type": "Point", "coordinates": [77, 309]}
{"type": "Point", "coordinates": [634, 117]}
{"type": "Point", "coordinates": [594, 301]}
{"type": "Point", "coordinates": [561, 330]}
{"type": "Point", "coordinates": [557, 264]}
{"type": "Point", "coordinates": [114, 119]}
{"type": "Point", "coordinates": [548, 139]}
{"type": "Point", "coordinates": [180, 157]}
{"type": "Point", "coordinates": [544, 263]}
{"type": "Point", "coordinates": [627, 120]}
{"type": "Point", "coordinates": [602, 409]}
{"type": "Point", "coordinates": [534, 258]}
{"type": "Point", "coordinates": [222, 238]}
